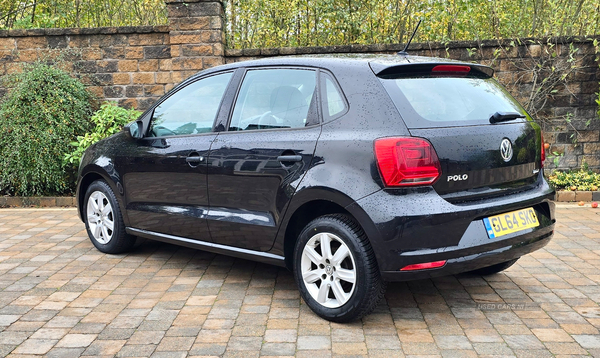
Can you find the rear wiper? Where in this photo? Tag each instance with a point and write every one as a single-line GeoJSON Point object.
{"type": "Point", "coordinates": [505, 116]}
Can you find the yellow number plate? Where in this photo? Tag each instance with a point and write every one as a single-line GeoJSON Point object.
{"type": "Point", "coordinates": [507, 223]}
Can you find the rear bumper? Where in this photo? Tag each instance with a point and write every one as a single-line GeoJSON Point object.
{"type": "Point", "coordinates": [459, 261]}
{"type": "Point", "coordinates": [415, 226]}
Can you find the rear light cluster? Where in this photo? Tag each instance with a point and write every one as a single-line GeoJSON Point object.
{"type": "Point", "coordinates": [543, 148]}
{"type": "Point", "coordinates": [407, 161]}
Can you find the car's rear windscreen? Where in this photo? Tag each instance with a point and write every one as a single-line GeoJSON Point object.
{"type": "Point", "coordinates": [426, 102]}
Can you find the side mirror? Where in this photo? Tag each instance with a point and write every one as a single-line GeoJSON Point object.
{"type": "Point", "coordinates": [136, 129]}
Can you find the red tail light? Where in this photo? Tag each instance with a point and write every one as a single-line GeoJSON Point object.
{"type": "Point", "coordinates": [424, 266]}
{"type": "Point", "coordinates": [456, 69]}
{"type": "Point", "coordinates": [543, 148]}
{"type": "Point", "coordinates": [407, 161]}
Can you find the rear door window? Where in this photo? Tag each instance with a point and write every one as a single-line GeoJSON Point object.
{"type": "Point", "coordinates": [427, 102]}
{"type": "Point", "coordinates": [275, 99]}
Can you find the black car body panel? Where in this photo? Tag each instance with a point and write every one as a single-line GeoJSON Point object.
{"type": "Point", "coordinates": [252, 187]}
{"type": "Point", "coordinates": [477, 169]}
{"type": "Point", "coordinates": [159, 183]}
{"type": "Point", "coordinates": [417, 225]}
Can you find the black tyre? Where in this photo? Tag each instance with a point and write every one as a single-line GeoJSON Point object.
{"type": "Point", "coordinates": [336, 270]}
{"type": "Point", "coordinates": [103, 220]}
{"type": "Point", "coordinates": [490, 270]}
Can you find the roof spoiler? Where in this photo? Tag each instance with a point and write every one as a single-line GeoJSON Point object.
{"type": "Point", "coordinates": [435, 69]}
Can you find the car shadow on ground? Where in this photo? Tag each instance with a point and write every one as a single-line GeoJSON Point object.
{"type": "Point", "coordinates": [439, 294]}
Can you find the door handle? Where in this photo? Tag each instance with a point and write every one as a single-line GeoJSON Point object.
{"type": "Point", "coordinates": [194, 159]}
{"type": "Point", "coordinates": [289, 158]}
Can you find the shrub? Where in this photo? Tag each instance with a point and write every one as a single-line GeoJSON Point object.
{"type": "Point", "coordinates": [581, 179]}
{"type": "Point", "coordinates": [109, 119]}
{"type": "Point", "coordinates": [44, 110]}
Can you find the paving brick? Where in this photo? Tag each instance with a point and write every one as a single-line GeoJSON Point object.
{"type": "Point", "coordinates": [208, 349]}
{"type": "Point", "coordinates": [35, 346]}
{"type": "Point", "coordinates": [76, 340]}
{"type": "Point", "coordinates": [158, 303]}
{"type": "Point", "coordinates": [588, 341]}
{"type": "Point", "coordinates": [523, 341]}
{"type": "Point", "coordinates": [65, 352]}
{"type": "Point", "coordinates": [104, 347]}
{"type": "Point", "coordinates": [130, 350]}
{"type": "Point", "coordinates": [280, 335]}
{"type": "Point", "coordinates": [349, 348]}
{"type": "Point", "coordinates": [552, 335]}
{"type": "Point", "coordinates": [313, 342]}
{"type": "Point", "coordinates": [244, 344]}
{"type": "Point", "coordinates": [175, 344]}
{"type": "Point", "coordinates": [278, 349]}
{"type": "Point", "coordinates": [452, 342]}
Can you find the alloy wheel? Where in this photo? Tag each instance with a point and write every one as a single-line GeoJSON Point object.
{"type": "Point", "coordinates": [100, 217]}
{"type": "Point", "coordinates": [328, 270]}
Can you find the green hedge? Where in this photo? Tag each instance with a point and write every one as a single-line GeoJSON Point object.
{"type": "Point", "coordinates": [44, 110]}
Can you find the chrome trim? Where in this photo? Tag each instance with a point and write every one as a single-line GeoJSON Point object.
{"type": "Point", "coordinates": [207, 245]}
{"type": "Point", "coordinates": [203, 212]}
{"type": "Point", "coordinates": [506, 150]}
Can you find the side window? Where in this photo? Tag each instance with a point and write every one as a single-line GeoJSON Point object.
{"type": "Point", "coordinates": [333, 102]}
{"type": "Point", "coordinates": [192, 109]}
{"type": "Point", "coordinates": [275, 98]}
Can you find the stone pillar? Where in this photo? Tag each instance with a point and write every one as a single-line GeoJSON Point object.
{"type": "Point", "coordinates": [197, 38]}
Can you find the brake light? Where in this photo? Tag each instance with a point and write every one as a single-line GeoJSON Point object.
{"type": "Point", "coordinates": [543, 149]}
{"type": "Point", "coordinates": [407, 161]}
{"type": "Point", "coordinates": [424, 266]}
{"type": "Point", "coordinates": [457, 69]}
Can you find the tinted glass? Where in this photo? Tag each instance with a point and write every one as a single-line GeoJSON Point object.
{"type": "Point", "coordinates": [277, 98]}
{"type": "Point", "coordinates": [333, 102]}
{"type": "Point", "coordinates": [192, 109]}
{"type": "Point", "coordinates": [440, 102]}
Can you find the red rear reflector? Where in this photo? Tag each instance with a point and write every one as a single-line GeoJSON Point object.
{"type": "Point", "coordinates": [407, 161]}
{"type": "Point", "coordinates": [424, 266]}
{"type": "Point", "coordinates": [543, 148]}
{"type": "Point", "coordinates": [451, 68]}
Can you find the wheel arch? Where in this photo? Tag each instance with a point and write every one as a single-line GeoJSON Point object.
{"type": "Point", "coordinates": [317, 203]}
{"type": "Point", "coordinates": [91, 175]}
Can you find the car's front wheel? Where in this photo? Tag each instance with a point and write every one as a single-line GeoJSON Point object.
{"type": "Point", "coordinates": [103, 220]}
{"type": "Point", "coordinates": [336, 270]}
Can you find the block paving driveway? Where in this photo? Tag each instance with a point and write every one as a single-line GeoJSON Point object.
{"type": "Point", "coordinates": [60, 297]}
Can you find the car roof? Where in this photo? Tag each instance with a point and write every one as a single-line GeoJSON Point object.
{"type": "Point", "coordinates": [378, 62]}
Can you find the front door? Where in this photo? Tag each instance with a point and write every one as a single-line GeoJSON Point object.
{"type": "Point", "coordinates": [166, 189]}
{"type": "Point", "coordinates": [256, 165]}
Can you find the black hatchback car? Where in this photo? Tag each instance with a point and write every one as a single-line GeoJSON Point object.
{"type": "Point", "coordinates": [350, 170]}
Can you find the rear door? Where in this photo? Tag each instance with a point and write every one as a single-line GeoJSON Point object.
{"type": "Point", "coordinates": [452, 109]}
{"type": "Point", "coordinates": [256, 165]}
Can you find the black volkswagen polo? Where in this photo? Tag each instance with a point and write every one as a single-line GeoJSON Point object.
{"type": "Point", "coordinates": [349, 170]}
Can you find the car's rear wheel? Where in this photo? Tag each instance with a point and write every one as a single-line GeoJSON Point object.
{"type": "Point", "coordinates": [103, 220]}
{"type": "Point", "coordinates": [490, 270]}
{"type": "Point", "coordinates": [336, 270]}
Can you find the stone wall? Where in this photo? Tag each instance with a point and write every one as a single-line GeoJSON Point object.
{"type": "Point", "coordinates": [131, 65]}
{"type": "Point", "coordinates": [136, 65]}
{"type": "Point", "coordinates": [120, 64]}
